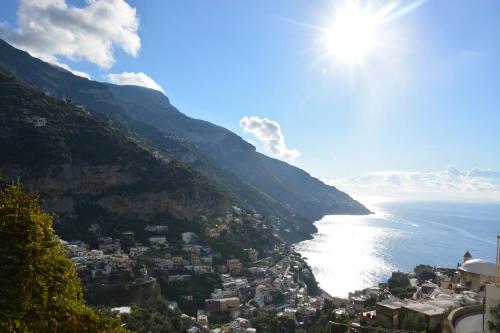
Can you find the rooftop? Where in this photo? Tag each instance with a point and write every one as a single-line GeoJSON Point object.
{"type": "Point", "coordinates": [479, 266]}
{"type": "Point", "coordinates": [392, 304]}
{"type": "Point", "coordinates": [427, 309]}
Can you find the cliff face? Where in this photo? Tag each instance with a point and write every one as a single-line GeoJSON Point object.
{"type": "Point", "coordinates": [61, 184]}
{"type": "Point", "coordinates": [73, 159]}
{"type": "Point", "coordinates": [64, 186]}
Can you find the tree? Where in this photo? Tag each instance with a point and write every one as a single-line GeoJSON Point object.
{"type": "Point", "coordinates": [154, 320]}
{"type": "Point", "coordinates": [424, 272]}
{"type": "Point", "coordinates": [277, 297]}
{"type": "Point", "coordinates": [40, 289]}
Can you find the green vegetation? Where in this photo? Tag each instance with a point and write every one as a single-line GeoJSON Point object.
{"type": "Point", "coordinates": [494, 325]}
{"type": "Point", "coordinates": [310, 281]}
{"type": "Point", "coordinates": [232, 244]}
{"type": "Point", "coordinates": [159, 319]}
{"type": "Point", "coordinates": [398, 280]}
{"type": "Point", "coordinates": [199, 286]}
{"type": "Point", "coordinates": [403, 292]}
{"type": "Point", "coordinates": [72, 135]}
{"type": "Point", "coordinates": [277, 297]}
{"type": "Point", "coordinates": [46, 138]}
{"type": "Point", "coordinates": [40, 289]}
{"type": "Point", "coordinates": [424, 272]}
{"type": "Point", "coordinates": [320, 324]}
{"type": "Point", "coordinates": [272, 323]}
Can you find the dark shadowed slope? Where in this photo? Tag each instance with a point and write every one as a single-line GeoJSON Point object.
{"type": "Point", "coordinates": [78, 163]}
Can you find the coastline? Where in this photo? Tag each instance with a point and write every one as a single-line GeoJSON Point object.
{"type": "Point", "coordinates": [335, 299]}
{"type": "Point", "coordinates": [401, 235]}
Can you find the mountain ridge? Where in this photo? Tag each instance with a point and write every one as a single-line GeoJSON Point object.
{"type": "Point", "coordinates": [287, 195]}
{"type": "Point", "coordinates": [75, 161]}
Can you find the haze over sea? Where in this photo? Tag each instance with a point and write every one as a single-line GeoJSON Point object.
{"type": "Point", "coordinates": [355, 252]}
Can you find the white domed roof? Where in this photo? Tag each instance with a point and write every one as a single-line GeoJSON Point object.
{"type": "Point", "coordinates": [479, 266]}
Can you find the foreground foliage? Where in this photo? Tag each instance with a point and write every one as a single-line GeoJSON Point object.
{"type": "Point", "coordinates": [158, 319]}
{"type": "Point", "coordinates": [494, 325]}
{"type": "Point", "coordinates": [40, 290]}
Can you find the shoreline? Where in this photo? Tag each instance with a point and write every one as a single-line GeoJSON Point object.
{"type": "Point", "coordinates": [402, 228]}
{"type": "Point", "coordinates": [337, 301]}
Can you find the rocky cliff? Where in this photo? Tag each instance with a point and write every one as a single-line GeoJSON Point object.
{"type": "Point", "coordinates": [74, 159]}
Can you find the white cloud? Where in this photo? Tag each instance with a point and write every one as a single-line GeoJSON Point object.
{"type": "Point", "coordinates": [76, 72]}
{"type": "Point", "coordinates": [451, 183]}
{"type": "Point", "coordinates": [269, 133]}
{"type": "Point", "coordinates": [49, 29]}
{"type": "Point", "coordinates": [136, 79]}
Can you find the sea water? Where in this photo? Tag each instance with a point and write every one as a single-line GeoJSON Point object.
{"type": "Point", "coordinates": [355, 252]}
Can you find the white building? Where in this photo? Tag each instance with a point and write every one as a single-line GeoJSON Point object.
{"type": "Point", "coordinates": [189, 237]}
{"type": "Point", "coordinates": [138, 251]}
{"type": "Point", "coordinates": [476, 273]}
{"type": "Point", "coordinates": [37, 121]}
{"type": "Point", "coordinates": [159, 229]}
{"type": "Point", "coordinates": [158, 242]}
{"type": "Point", "coordinates": [163, 264]}
{"type": "Point", "coordinates": [202, 320]}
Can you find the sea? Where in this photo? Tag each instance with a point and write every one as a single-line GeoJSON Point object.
{"type": "Point", "coordinates": [354, 252]}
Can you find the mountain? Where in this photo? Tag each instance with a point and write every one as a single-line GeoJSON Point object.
{"type": "Point", "coordinates": [289, 196]}
{"type": "Point", "coordinates": [86, 171]}
{"type": "Point", "coordinates": [289, 185]}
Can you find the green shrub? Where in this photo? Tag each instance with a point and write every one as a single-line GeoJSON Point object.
{"type": "Point", "coordinates": [40, 290]}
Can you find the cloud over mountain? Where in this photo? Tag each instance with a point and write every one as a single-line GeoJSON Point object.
{"type": "Point", "coordinates": [49, 29]}
{"type": "Point", "coordinates": [268, 132]}
{"type": "Point", "coordinates": [134, 78]}
{"type": "Point", "coordinates": [76, 72]}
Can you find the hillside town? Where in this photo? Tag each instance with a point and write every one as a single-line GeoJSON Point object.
{"type": "Point", "coordinates": [273, 280]}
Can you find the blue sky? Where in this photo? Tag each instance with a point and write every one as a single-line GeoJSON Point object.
{"type": "Point", "coordinates": [423, 99]}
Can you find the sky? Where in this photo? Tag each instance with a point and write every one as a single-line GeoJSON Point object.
{"type": "Point", "coordinates": [381, 98]}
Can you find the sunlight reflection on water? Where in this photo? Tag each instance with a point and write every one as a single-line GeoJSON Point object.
{"type": "Point", "coordinates": [355, 252]}
{"type": "Point", "coordinates": [349, 252]}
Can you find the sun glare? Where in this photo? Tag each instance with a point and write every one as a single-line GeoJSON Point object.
{"type": "Point", "coordinates": [355, 29]}
{"type": "Point", "coordinates": [352, 34]}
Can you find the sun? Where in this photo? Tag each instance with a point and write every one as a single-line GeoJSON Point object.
{"type": "Point", "coordinates": [354, 31]}
{"type": "Point", "coordinates": [352, 34]}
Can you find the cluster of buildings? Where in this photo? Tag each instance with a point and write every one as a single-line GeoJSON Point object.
{"type": "Point", "coordinates": [262, 281]}
{"type": "Point", "coordinates": [189, 256]}
{"type": "Point", "coordinates": [201, 324]}
{"type": "Point", "coordinates": [454, 300]}
{"type": "Point", "coordinates": [276, 280]}
{"type": "Point", "coordinates": [123, 256]}
{"type": "Point", "coordinates": [269, 286]}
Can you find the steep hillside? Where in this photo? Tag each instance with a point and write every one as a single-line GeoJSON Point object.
{"type": "Point", "coordinates": [289, 185]}
{"type": "Point", "coordinates": [78, 163]}
{"type": "Point", "coordinates": [267, 185]}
